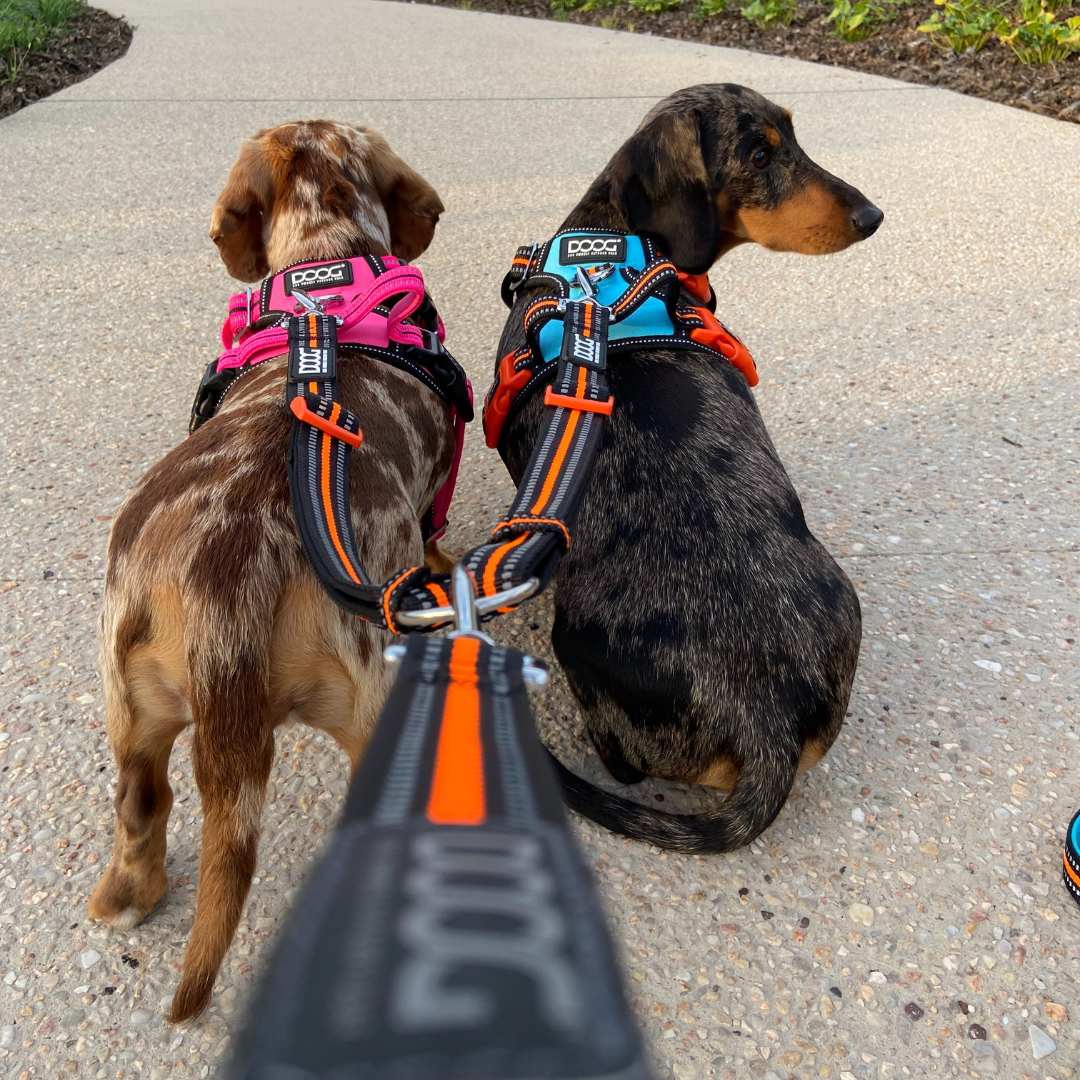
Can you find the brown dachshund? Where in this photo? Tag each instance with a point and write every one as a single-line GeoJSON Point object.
{"type": "Point", "coordinates": [707, 635]}
{"type": "Point", "coordinates": [211, 614]}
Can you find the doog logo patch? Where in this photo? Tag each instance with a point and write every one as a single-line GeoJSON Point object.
{"type": "Point", "coordinates": [326, 276]}
{"type": "Point", "coordinates": [591, 249]}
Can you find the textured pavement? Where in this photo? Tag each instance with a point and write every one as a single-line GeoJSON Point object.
{"type": "Point", "coordinates": [904, 915]}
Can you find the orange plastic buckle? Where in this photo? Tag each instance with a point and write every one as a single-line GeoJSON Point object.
{"type": "Point", "coordinates": [581, 404]}
{"type": "Point", "coordinates": [299, 409]}
{"type": "Point", "coordinates": [696, 285]}
{"type": "Point", "coordinates": [714, 336]}
{"type": "Point", "coordinates": [498, 408]}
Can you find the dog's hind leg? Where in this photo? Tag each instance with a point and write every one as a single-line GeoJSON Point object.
{"type": "Point", "coordinates": [146, 709]}
{"type": "Point", "coordinates": [232, 754]}
{"type": "Point", "coordinates": [613, 756]}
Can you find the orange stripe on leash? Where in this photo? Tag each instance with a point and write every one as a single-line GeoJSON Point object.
{"type": "Point", "coordinates": [457, 787]}
{"type": "Point", "coordinates": [564, 446]}
{"type": "Point", "coordinates": [328, 506]}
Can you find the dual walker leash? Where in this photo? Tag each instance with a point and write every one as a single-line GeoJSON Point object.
{"type": "Point", "coordinates": [451, 929]}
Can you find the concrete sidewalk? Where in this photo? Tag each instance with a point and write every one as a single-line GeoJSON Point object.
{"type": "Point", "coordinates": [922, 389]}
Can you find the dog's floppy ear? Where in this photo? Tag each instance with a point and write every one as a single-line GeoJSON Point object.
{"type": "Point", "coordinates": [412, 209]}
{"type": "Point", "coordinates": [660, 183]}
{"type": "Point", "coordinates": [240, 211]}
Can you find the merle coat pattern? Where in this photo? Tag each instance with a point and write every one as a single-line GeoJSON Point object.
{"type": "Point", "coordinates": [212, 616]}
{"type": "Point", "coordinates": [707, 635]}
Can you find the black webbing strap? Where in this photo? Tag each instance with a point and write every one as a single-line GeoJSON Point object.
{"type": "Point", "coordinates": [324, 434]}
{"type": "Point", "coordinates": [536, 530]}
{"type": "Point", "coordinates": [450, 931]}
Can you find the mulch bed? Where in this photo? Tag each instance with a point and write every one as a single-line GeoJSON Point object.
{"type": "Point", "coordinates": [82, 46]}
{"type": "Point", "coordinates": [899, 51]}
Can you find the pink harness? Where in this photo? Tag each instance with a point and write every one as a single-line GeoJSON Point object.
{"type": "Point", "coordinates": [355, 292]}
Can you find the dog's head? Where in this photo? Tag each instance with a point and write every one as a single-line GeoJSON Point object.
{"type": "Point", "coordinates": [715, 166]}
{"type": "Point", "coordinates": [315, 189]}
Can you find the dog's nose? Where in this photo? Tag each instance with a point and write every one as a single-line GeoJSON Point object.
{"type": "Point", "coordinates": [866, 219]}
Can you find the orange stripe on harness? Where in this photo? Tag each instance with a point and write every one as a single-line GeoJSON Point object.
{"type": "Point", "coordinates": [388, 592]}
{"type": "Point", "coordinates": [534, 521]}
{"type": "Point", "coordinates": [439, 593]}
{"type": "Point", "coordinates": [457, 786]}
{"type": "Point", "coordinates": [328, 505]}
{"type": "Point", "coordinates": [556, 464]}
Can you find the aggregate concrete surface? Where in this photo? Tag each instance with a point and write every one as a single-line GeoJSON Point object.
{"type": "Point", "coordinates": [904, 915]}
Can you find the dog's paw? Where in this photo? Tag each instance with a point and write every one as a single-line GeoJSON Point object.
{"type": "Point", "coordinates": [122, 900]}
{"type": "Point", "coordinates": [438, 559]}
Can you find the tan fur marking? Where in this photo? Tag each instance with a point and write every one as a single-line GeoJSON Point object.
{"type": "Point", "coordinates": [721, 774]}
{"type": "Point", "coordinates": [811, 222]}
{"type": "Point", "coordinates": [772, 136]}
{"type": "Point", "coordinates": [437, 559]}
{"type": "Point", "coordinates": [812, 752]}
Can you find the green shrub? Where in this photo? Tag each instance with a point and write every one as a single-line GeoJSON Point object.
{"type": "Point", "coordinates": [862, 19]}
{"type": "Point", "coordinates": [708, 9]}
{"type": "Point", "coordinates": [1036, 38]}
{"type": "Point", "coordinates": [766, 12]}
{"type": "Point", "coordinates": [563, 7]}
{"type": "Point", "coordinates": [964, 24]}
{"type": "Point", "coordinates": [654, 7]}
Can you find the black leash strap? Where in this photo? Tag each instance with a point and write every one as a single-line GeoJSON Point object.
{"type": "Point", "coordinates": [324, 434]}
{"type": "Point", "coordinates": [451, 930]}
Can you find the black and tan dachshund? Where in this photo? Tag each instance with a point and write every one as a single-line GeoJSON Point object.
{"type": "Point", "coordinates": [707, 635]}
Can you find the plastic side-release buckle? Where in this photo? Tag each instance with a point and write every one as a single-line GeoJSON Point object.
{"type": "Point", "coordinates": [511, 382]}
{"type": "Point", "coordinates": [714, 336]}
{"type": "Point", "coordinates": [697, 285]}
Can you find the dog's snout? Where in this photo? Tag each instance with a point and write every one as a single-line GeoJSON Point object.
{"type": "Point", "coordinates": [866, 219]}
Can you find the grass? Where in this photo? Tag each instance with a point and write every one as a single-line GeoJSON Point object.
{"type": "Point", "coordinates": [25, 25]}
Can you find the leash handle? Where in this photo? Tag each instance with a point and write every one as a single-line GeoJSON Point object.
{"type": "Point", "coordinates": [451, 930]}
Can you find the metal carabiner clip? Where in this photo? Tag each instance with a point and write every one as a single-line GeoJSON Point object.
{"type": "Point", "coordinates": [465, 612]}
{"type": "Point", "coordinates": [313, 305]}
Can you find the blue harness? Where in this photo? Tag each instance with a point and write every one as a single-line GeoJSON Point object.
{"type": "Point", "coordinates": [634, 296]}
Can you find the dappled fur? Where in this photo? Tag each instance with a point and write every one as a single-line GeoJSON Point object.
{"type": "Point", "coordinates": [707, 635]}
{"type": "Point", "coordinates": [211, 614]}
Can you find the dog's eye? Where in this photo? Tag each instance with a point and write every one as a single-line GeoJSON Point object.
{"type": "Point", "coordinates": [759, 159]}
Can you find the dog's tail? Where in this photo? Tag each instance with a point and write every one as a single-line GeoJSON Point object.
{"type": "Point", "coordinates": [756, 798]}
{"type": "Point", "coordinates": [232, 753]}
